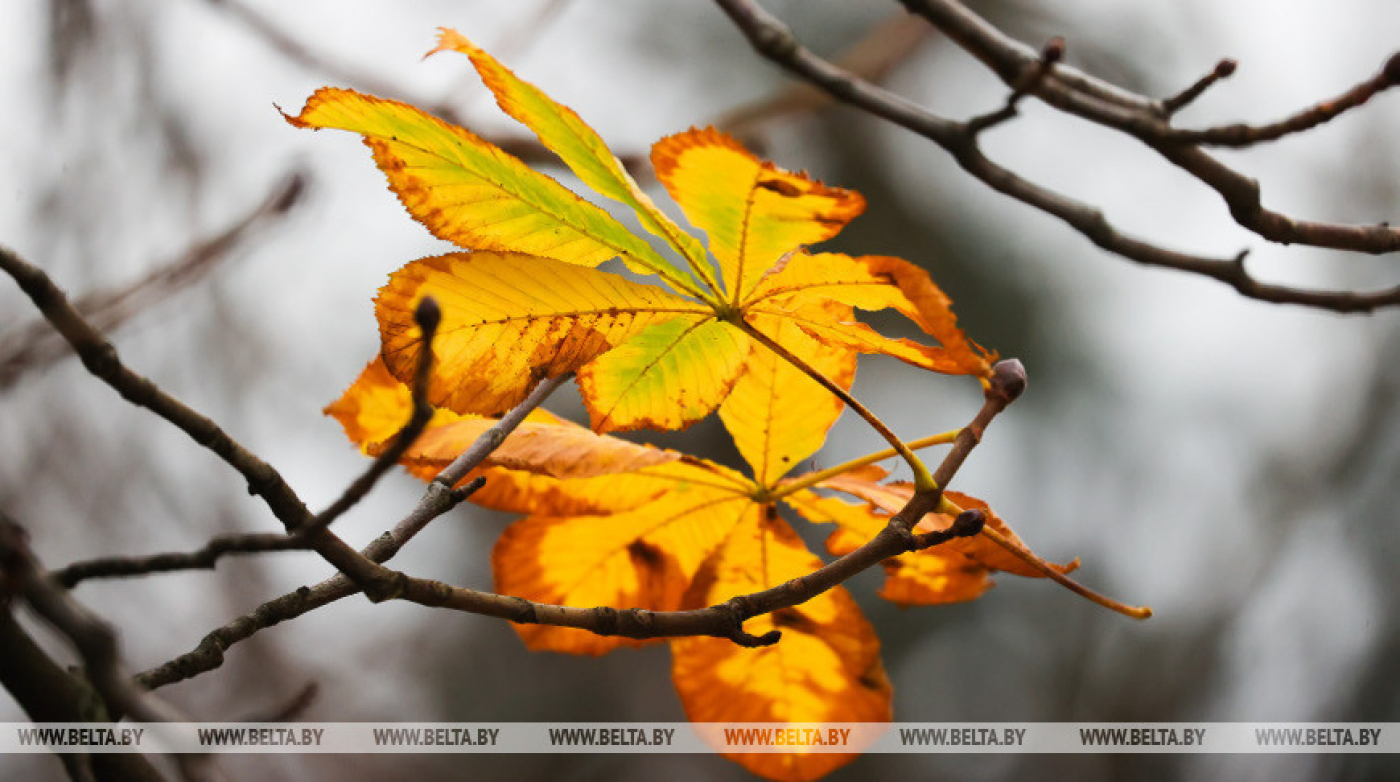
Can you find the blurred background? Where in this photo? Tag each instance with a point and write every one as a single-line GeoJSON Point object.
{"type": "Point", "coordinates": [1229, 462]}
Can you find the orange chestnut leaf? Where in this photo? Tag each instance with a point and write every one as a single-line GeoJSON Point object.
{"type": "Point", "coordinates": [561, 130]}
{"type": "Point", "coordinates": [470, 192]}
{"type": "Point", "coordinates": [508, 321]}
{"type": "Point", "coordinates": [753, 212]}
{"type": "Point", "coordinates": [890, 497]}
{"type": "Point", "coordinates": [870, 283]}
{"type": "Point", "coordinates": [826, 667]}
{"type": "Point", "coordinates": [927, 577]}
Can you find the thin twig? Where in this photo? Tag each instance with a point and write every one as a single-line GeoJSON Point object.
{"type": "Point", "coordinates": [33, 345]}
{"type": "Point", "coordinates": [428, 316]}
{"type": "Point", "coordinates": [1243, 135]}
{"type": "Point", "coordinates": [873, 57]}
{"type": "Point", "coordinates": [1052, 53]}
{"type": "Point", "coordinates": [101, 359]}
{"type": "Point", "coordinates": [442, 494]}
{"type": "Point", "coordinates": [1222, 70]}
{"type": "Point", "coordinates": [1148, 121]}
{"type": "Point", "coordinates": [203, 558]}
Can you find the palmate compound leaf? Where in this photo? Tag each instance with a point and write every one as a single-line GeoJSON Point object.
{"type": "Point", "coordinates": [673, 359]}
{"type": "Point", "coordinates": [526, 305]}
{"type": "Point", "coordinates": [663, 531]}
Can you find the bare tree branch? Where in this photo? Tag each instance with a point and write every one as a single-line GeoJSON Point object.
{"type": "Point", "coordinates": [428, 317]}
{"type": "Point", "coordinates": [442, 494]}
{"type": "Point", "coordinates": [95, 641]}
{"type": "Point", "coordinates": [362, 572]}
{"type": "Point", "coordinates": [203, 558]}
{"type": "Point", "coordinates": [49, 692]}
{"type": "Point", "coordinates": [872, 57]}
{"type": "Point", "coordinates": [1242, 135]}
{"type": "Point", "coordinates": [1086, 96]}
{"type": "Point", "coordinates": [101, 359]}
{"type": "Point", "coordinates": [1223, 70]}
{"type": "Point", "coordinates": [725, 620]}
{"type": "Point", "coordinates": [1149, 122]}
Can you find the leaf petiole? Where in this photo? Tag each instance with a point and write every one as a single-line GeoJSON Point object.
{"type": "Point", "coordinates": [923, 479]}
{"type": "Point", "coordinates": [811, 479]}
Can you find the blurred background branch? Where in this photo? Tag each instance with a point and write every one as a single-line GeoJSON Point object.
{"type": "Point", "coordinates": [33, 345]}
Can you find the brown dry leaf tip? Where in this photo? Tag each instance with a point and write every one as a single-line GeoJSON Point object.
{"type": "Point", "coordinates": [1392, 69]}
{"type": "Point", "coordinates": [1225, 68]}
{"type": "Point", "coordinates": [1008, 379]}
{"type": "Point", "coordinates": [427, 314]}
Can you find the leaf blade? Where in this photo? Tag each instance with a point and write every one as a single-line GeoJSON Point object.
{"type": "Point", "coordinates": [891, 497]}
{"type": "Point", "coordinates": [668, 376]}
{"type": "Point", "coordinates": [928, 577]}
{"type": "Point", "coordinates": [874, 283]}
{"type": "Point", "coordinates": [509, 321]}
{"type": "Point", "coordinates": [826, 667]}
{"type": "Point", "coordinates": [776, 413]}
{"type": "Point", "coordinates": [753, 212]}
{"type": "Point", "coordinates": [471, 193]}
{"type": "Point", "coordinates": [561, 130]}
{"type": "Point", "coordinates": [645, 557]}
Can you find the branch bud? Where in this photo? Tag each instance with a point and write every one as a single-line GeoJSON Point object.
{"type": "Point", "coordinates": [1054, 50]}
{"type": "Point", "coordinates": [1225, 69]}
{"type": "Point", "coordinates": [1008, 379]}
{"type": "Point", "coordinates": [1392, 69]}
{"type": "Point", "coordinates": [968, 523]}
{"type": "Point", "coordinates": [428, 315]}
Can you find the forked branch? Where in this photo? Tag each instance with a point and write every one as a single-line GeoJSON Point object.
{"type": "Point", "coordinates": [1025, 71]}
{"type": "Point", "coordinates": [364, 571]}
